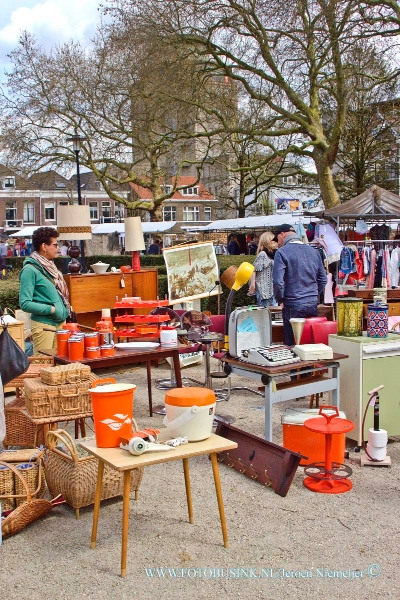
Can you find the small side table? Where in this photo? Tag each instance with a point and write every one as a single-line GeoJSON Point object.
{"type": "Point", "coordinates": [328, 477]}
{"type": "Point", "coordinates": [207, 339]}
{"type": "Point", "coordinates": [121, 460]}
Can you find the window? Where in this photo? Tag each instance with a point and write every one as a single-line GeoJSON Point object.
{"type": "Point", "coordinates": [169, 213]}
{"type": "Point", "coordinates": [192, 191]}
{"type": "Point", "coordinates": [119, 210]}
{"type": "Point", "coordinates": [11, 211]}
{"type": "Point", "coordinates": [167, 189]}
{"type": "Point", "coordinates": [49, 211]}
{"type": "Point", "coordinates": [100, 185]}
{"type": "Point", "coordinates": [94, 211]}
{"type": "Point", "coordinates": [29, 212]}
{"type": "Point", "coordinates": [191, 213]}
{"type": "Point", "coordinates": [9, 182]}
{"type": "Point", "coordinates": [106, 211]}
{"type": "Point", "coordinates": [207, 213]}
{"type": "Point", "coordinates": [63, 203]}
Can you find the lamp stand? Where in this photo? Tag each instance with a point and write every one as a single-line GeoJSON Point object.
{"type": "Point", "coordinates": [136, 260]}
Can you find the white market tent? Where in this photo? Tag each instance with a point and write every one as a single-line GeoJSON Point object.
{"type": "Point", "coordinates": [147, 227]}
{"type": "Point", "coordinates": [259, 222]}
{"type": "Point", "coordinates": [27, 231]}
{"type": "Point", "coordinates": [106, 228]}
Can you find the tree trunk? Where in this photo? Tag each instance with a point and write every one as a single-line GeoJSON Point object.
{"type": "Point", "coordinates": [329, 193]}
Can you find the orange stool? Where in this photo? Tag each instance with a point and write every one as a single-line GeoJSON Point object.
{"type": "Point", "coordinates": [328, 477]}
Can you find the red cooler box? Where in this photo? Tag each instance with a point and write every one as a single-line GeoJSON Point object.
{"type": "Point", "coordinates": [299, 439]}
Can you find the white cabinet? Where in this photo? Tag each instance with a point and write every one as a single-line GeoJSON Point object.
{"type": "Point", "coordinates": [372, 362]}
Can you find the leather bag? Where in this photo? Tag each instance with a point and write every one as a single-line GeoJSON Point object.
{"type": "Point", "coordinates": [13, 360]}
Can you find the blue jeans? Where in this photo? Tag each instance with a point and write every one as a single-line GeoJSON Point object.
{"type": "Point", "coordinates": [265, 301]}
{"type": "Point", "coordinates": [296, 311]}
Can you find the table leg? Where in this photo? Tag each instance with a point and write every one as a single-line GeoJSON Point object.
{"type": "Point", "coordinates": [97, 498]}
{"type": "Point", "coordinates": [76, 428]}
{"type": "Point", "coordinates": [217, 482]}
{"type": "Point", "coordinates": [188, 490]}
{"type": "Point", "coordinates": [208, 378]}
{"type": "Point", "coordinates": [148, 368]}
{"type": "Point", "coordinates": [125, 521]}
{"type": "Point", "coordinates": [336, 392]}
{"type": "Point", "coordinates": [82, 427]}
{"type": "Point", "coordinates": [177, 369]}
{"type": "Point", "coordinates": [268, 409]}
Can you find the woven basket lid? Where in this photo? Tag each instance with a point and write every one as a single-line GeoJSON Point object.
{"type": "Point", "coordinates": [228, 276]}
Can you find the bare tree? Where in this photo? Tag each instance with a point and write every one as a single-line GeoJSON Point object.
{"type": "Point", "coordinates": [290, 56]}
{"type": "Point", "coordinates": [367, 154]}
{"type": "Point", "coordinates": [122, 98]}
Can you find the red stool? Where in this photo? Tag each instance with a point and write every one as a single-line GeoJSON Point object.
{"type": "Point", "coordinates": [328, 477]}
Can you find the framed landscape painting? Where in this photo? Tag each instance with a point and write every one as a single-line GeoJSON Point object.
{"type": "Point", "coordinates": [192, 271]}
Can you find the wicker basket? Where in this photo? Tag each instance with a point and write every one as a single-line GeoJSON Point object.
{"type": "Point", "coordinates": [33, 474]}
{"type": "Point", "coordinates": [44, 400]}
{"type": "Point", "coordinates": [36, 364]}
{"type": "Point", "coordinates": [30, 510]}
{"type": "Point", "coordinates": [71, 373]}
{"type": "Point", "coordinates": [72, 472]}
{"type": "Point", "coordinates": [6, 488]}
{"type": "Point", "coordinates": [20, 429]}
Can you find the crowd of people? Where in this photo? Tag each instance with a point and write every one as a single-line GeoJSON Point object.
{"type": "Point", "coordinates": [287, 273]}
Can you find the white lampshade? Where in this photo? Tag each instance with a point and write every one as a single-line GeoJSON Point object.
{"type": "Point", "coordinates": [73, 222]}
{"type": "Point", "coordinates": [133, 234]}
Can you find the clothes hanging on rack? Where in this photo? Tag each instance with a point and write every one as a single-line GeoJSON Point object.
{"type": "Point", "coordinates": [394, 267]}
{"type": "Point", "coordinates": [334, 245]}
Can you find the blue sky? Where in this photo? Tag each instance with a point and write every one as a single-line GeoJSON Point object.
{"type": "Point", "coordinates": [51, 21]}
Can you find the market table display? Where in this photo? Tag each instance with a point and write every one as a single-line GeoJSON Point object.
{"type": "Point", "coordinates": [309, 380]}
{"type": "Point", "coordinates": [128, 357]}
{"type": "Point", "coordinates": [121, 460]}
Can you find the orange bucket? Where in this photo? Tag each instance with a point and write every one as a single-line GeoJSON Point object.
{"type": "Point", "coordinates": [112, 406]}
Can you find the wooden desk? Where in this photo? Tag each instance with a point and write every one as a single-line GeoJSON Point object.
{"type": "Point", "coordinates": [314, 381]}
{"type": "Point", "coordinates": [121, 460]}
{"type": "Point", "coordinates": [129, 357]}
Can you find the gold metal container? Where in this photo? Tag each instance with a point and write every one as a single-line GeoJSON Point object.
{"type": "Point", "coordinates": [349, 315]}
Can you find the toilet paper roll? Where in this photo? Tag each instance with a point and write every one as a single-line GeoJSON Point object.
{"type": "Point", "coordinates": [105, 312]}
{"type": "Point", "coordinates": [377, 438]}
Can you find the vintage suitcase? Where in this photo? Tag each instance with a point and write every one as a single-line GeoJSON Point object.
{"type": "Point", "coordinates": [249, 327]}
{"type": "Point", "coordinates": [44, 400]}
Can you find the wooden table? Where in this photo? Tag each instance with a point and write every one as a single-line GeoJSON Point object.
{"type": "Point", "coordinates": [309, 380]}
{"type": "Point", "coordinates": [121, 460]}
{"type": "Point", "coordinates": [128, 357]}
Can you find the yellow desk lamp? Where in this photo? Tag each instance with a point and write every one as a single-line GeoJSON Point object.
{"type": "Point", "coordinates": [242, 276]}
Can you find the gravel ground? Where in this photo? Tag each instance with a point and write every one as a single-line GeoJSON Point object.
{"type": "Point", "coordinates": [305, 545]}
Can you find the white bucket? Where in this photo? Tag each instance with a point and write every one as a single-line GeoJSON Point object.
{"type": "Point", "coordinates": [168, 337]}
{"type": "Point", "coordinates": [190, 413]}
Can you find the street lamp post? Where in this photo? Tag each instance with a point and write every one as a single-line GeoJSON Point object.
{"type": "Point", "coordinates": [77, 140]}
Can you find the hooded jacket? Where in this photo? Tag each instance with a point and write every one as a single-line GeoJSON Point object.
{"type": "Point", "coordinates": [38, 293]}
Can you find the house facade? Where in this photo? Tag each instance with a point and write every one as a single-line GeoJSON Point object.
{"type": "Point", "coordinates": [34, 201]}
{"type": "Point", "coordinates": [192, 206]}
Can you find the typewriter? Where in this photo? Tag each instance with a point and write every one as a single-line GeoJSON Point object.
{"type": "Point", "coordinates": [270, 356]}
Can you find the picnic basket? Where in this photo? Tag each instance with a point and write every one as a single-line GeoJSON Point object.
{"type": "Point", "coordinates": [72, 472]}
{"type": "Point", "coordinates": [43, 400]}
{"type": "Point", "coordinates": [36, 364]}
{"type": "Point", "coordinates": [28, 511]}
{"type": "Point", "coordinates": [71, 373]}
{"type": "Point", "coordinates": [30, 467]}
{"type": "Point", "coordinates": [20, 431]}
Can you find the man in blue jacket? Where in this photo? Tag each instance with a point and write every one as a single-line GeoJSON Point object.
{"type": "Point", "coordinates": [298, 276]}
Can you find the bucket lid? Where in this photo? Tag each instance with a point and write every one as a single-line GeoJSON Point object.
{"type": "Point", "coordinates": [294, 416]}
{"type": "Point", "coordinates": [112, 387]}
{"type": "Point", "coordinates": [190, 397]}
